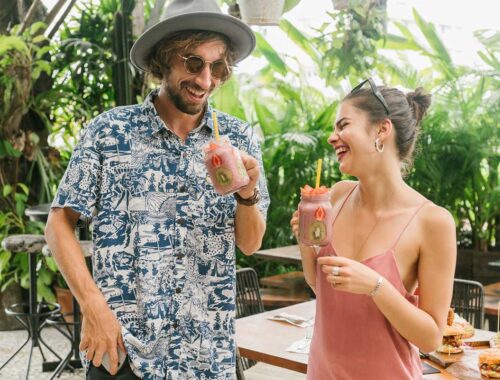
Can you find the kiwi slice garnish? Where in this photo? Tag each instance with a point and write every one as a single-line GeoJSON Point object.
{"type": "Point", "coordinates": [317, 231]}
{"type": "Point", "coordinates": [224, 176]}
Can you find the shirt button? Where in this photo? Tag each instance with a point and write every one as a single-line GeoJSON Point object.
{"type": "Point", "coordinates": [174, 325]}
{"type": "Point", "coordinates": [182, 189]}
{"type": "Point", "coordinates": [178, 290]}
{"type": "Point", "coordinates": [181, 222]}
{"type": "Point", "coordinates": [180, 255]}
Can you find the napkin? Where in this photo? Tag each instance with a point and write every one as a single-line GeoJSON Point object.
{"type": "Point", "coordinates": [295, 320]}
{"type": "Point", "coordinates": [300, 346]}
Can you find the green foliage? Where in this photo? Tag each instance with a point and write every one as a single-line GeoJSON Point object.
{"type": "Point", "coordinates": [459, 146]}
{"type": "Point", "coordinates": [14, 268]}
{"type": "Point", "coordinates": [458, 167]}
{"type": "Point", "coordinates": [347, 45]}
{"type": "Point", "coordinates": [22, 60]}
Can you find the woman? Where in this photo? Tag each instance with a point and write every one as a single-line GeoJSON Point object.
{"type": "Point", "coordinates": [387, 240]}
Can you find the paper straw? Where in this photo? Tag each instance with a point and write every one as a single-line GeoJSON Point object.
{"type": "Point", "coordinates": [318, 172]}
{"type": "Point", "coordinates": [216, 127]}
{"type": "Point", "coordinates": [498, 317]}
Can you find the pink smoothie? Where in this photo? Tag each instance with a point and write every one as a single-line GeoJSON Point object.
{"type": "Point", "coordinates": [226, 169]}
{"type": "Point", "coordinates": [315, 218]}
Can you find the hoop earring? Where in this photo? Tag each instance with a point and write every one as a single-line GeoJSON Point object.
{"type": "Point", "coordinates": [379, 147]}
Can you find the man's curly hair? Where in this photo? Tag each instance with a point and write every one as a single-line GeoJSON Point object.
{"type": "Point", "coordinates": [160, 58]}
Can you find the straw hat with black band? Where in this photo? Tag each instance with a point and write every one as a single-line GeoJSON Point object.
{"type": "Point", "coordinates": [203, 15]}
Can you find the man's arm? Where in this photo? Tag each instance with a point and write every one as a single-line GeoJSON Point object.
{"type": "Point", "coordinates": [101, 331]}
{"type": "Point", "coordinates": [250, 224]}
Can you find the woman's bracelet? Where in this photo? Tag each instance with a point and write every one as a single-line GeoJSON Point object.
{"type": "Point", "coordinates": [380, 280]}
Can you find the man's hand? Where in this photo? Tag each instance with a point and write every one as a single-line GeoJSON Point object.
{"type": "Point", "coordinates": [101, 333]}
{"type": "Point", "coordinates": [253, 171]}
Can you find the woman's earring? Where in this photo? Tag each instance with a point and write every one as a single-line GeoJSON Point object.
{"type": "Point", "coordinates": [379, 147]}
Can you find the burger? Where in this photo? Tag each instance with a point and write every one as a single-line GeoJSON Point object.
{"type": "Point", "coordinates": [469, 330]}
{"type": "Point", "coordinates": [495, 341]}
{"type": "Point", "coordinates": [489, 363]}
{"type": "Point", "coordinates": [452, 340]}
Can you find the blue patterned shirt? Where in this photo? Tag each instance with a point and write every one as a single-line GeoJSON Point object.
{"type": "Point", "coordinates": [164, 241]}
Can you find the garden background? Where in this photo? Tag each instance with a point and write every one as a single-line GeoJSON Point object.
{"type": "Point", "coordinates": [62, 66]}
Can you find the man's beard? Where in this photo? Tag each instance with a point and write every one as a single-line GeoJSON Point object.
{"type": "Point", "coordinates": [176, 98]}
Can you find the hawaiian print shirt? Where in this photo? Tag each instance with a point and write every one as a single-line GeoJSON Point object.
{"type": "Point", "coordinates": [164, 240]}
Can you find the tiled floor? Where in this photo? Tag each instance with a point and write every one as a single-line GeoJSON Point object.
{"type": "Point", "coordinates": [16, 369]}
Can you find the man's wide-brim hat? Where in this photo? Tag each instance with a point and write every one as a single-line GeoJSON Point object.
{"type": "Point", "coordinates": [202, 15]}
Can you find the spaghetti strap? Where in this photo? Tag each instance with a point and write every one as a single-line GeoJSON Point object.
{"type": "Point", "coordinates": [343, 203]}
{"type": "Point", "coordinates": [408, 223]}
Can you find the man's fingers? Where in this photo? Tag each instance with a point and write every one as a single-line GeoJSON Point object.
{"type": "Point", "coordinates": [121, 344]}
{"type": "Point", "coordinates": [90, 353]}
{"type": "Point", "coordinates": [97, 361]}
{"type": "Point", "coordinates": [113, 360]}
{"type": "Point", "coordinates": [84, 343]}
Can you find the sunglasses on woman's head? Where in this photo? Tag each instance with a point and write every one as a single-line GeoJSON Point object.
{"type": "Point", "coordinates": [375, 92]}
{"type": "Point", "coordinates": [194, 64]}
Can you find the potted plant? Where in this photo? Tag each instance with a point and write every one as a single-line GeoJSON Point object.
{"type": "Point", "coordinates": [261, 12]}
{"type": "Point", "coordinates": [341, 5]}
{"type": "Point", "coordinates": [64, 297]}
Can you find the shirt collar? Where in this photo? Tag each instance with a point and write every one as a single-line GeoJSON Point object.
{"type": "Point", "coordinates": [156, 124]}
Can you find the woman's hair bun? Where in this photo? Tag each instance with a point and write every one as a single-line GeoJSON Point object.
{"type": "Point", "coordinates": [419, 101]}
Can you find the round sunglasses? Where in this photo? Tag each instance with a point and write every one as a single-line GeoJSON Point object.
{"type": "Point", "coordinates": [194, 64]}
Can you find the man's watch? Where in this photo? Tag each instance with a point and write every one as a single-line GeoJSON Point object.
{"type": "Point", "coordinates": [255, 198]}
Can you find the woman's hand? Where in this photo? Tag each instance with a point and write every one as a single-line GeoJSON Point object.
{"type": "Point", "coordinates": [348, 275]}
{"type": "Point", "coordinates": [294, 222]}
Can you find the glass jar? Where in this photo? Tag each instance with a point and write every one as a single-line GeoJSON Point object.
{"type": "Point", "coordinates": [315, 219]}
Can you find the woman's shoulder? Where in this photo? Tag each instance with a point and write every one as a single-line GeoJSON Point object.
{"type": "Point", "coordinates": [341, 189]}
{"type": "Point", "coordinates": [434, 219]}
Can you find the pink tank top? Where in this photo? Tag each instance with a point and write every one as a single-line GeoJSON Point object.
{"type": "Point", "coordinates": [352, 339]}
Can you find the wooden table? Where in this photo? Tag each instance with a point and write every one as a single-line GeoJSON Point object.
{"type": "Point", "coordinates": [494, 265]}
{"type": "Point", "coordinates": [261, 339]}
{"type": "Point", "coordinates": [289, 254]}
{"type": "Point", "coordinates": [492, 289]}
{"type": "Point", "coordinates": [491, 300]}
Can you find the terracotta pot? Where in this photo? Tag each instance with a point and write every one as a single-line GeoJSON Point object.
{"type": "Point", "coordinates": [65, 300]}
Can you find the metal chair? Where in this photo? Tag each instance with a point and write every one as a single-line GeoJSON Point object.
{"type": "Point", "coordinates": [248, 299]}
{"type": "Point", "coordinates": [248, 302]}
{"type": "Point", "coordinates": [468, 301]}
{"type": "Point", "coordinates": [31, 314]}
{"type": "Point", "coordinates": [71, 329]}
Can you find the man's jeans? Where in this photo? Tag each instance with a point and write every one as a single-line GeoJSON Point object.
{"type": "Point", "coordinates": [100, 373]}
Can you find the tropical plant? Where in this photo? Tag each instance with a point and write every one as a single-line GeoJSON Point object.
{"type": "Point", "coordinates": [460, 142]}
{"type": "Point", "coordinates": [15, 268]}
{"type": "Point", "coordinates": [347, 45]}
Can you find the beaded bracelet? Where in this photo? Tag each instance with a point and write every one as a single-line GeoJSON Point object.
{"type": "Point", "coordinates": [380, 280]}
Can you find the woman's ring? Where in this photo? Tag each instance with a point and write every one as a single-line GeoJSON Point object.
{"type": "Point", "coordinates": [336, 271]}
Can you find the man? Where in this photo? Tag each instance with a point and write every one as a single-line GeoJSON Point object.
{"type": "Point", "coordinates": [164, 258]}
